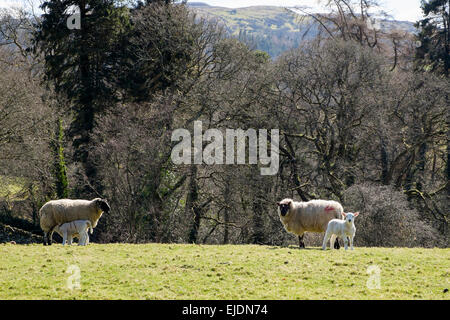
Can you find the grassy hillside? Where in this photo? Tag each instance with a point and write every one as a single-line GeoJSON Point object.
{"type": "Point", "coordinates": [256, 18]}
{"type": "Point", "coordinates": [169, 271]}
{"type": "Point", "coordinates": [270, 28]}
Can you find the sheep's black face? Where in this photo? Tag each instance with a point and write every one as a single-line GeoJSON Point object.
{"type": "Point", "coordinates": [284, 209]}
{"type": "Point", "coordinates": [104, 206]}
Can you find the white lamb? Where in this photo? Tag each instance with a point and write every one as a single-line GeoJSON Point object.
{"type": "Point", "coordinates": [341, 228]}
{"type": "Point", "coordinates": [77, 228]}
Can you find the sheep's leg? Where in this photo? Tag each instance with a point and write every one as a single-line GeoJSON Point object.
{"type": "Point", "coordinates": [70, 240]}
{"type": "Point", "coordinates": [50, 238]}
{"type": "Point", "coordinates": [301, 244]}
{"type": "Point", "coordinates": [332, 241]}
{"type": "Point", "coordinates": [45, 238]}
{"type": "Point", "coordinates": [82, 241]}
{"type": "Point", "coordinates": [346, 243]}
{"type": "Point", "coordinates": [325, 240]}
{"type": "Point", "coordinates": [351, 242]}
{"type": "Point", "coordinates": [336, 244]}
{"type": "Point", "coordinates": [64, 238]}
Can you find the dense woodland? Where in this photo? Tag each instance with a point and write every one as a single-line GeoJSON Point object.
{"type": "Point", "coordinates": [363, 117]}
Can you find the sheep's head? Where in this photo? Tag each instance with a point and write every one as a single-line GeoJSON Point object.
{"type": "Point", "coordinates": [103, 205]}
{"type": "Point", "coordinates": [284, 206]}
{"type": "Point", "coordinates": [350, 217]}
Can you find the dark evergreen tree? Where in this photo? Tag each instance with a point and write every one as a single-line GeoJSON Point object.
{"type": "Point", "coordinates": [433, 54]}
{"type": "Point", "coordinates": [158, 52]}
{"type": "Point", "coordinates": [79, 63]}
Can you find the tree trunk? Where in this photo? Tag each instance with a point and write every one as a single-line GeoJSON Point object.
{"type": "Point", "coordinates": [384, 163]}
{"type": "Point", "coordinates": [448, 151]}
{"type": "Point", "coordinates": [258, 223]}
{"type": "Point", "coordinates": [192, 205]}
{"type": "Point", "coordinates": [227, 199]}
{"type": "Point", "coordinates": [261, 189]}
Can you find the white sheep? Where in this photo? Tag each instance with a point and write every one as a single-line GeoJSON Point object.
{"type": "Point", "coordinates": [77, 228]}
{"type": "Point", "coordinates": [311, 216]}
{"type": "Point", "coordinates": [341, 228]}
{"type": "Point", "coordinates": [57, 212]}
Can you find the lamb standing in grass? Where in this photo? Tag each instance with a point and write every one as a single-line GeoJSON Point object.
{"type": "Point", "coordinates": [77, 228]}
{"type": "Point", "coordinates": [341, 228]}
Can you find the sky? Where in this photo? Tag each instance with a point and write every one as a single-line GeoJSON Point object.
{"type": "Point", "coordinates": [408, 10]}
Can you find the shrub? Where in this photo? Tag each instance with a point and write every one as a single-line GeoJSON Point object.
{"type": "Point", "coordinates": [387, 219]}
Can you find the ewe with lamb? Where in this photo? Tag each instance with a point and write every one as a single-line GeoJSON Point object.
{"type": "Point", "coordinates": [312, 216]}
{"type": "Point", "coordinates": [57, 212]}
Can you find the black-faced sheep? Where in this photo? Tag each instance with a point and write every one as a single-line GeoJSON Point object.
{"type": "Point", "coordinates": [311, 216]}
{"type": "Point", "coordinates": [57, 212]}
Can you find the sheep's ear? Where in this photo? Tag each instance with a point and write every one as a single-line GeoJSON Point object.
{"type": "Point", "coordinates": [356, 214]}
{"type": "Point", "coordinates": [278, 203]}
{"type": "Point", "coordinates": [344, 214]}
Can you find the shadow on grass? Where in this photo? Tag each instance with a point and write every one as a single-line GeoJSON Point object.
{"type": "Point", "coordinates": [294, 247]}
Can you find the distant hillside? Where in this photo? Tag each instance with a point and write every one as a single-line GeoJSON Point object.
{"type": "Point", "coordinates": [272, 29]}
{"type": "Point", "coordinates": [198, 4]}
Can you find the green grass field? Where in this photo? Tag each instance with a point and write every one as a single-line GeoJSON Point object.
{"type": "Point", "coordinates": [173, 271]}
